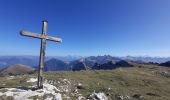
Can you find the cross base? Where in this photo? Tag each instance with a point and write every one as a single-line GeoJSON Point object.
{"type": "Point", "coordinates": [40, 87]}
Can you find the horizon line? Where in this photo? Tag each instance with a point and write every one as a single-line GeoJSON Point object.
{"type": "Point", "coordinates": [91, 55]}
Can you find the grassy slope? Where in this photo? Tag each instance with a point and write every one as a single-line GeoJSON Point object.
{"type": "Point", "coordinates": [121, 81]}
{"type": "Point", "coordinates": [142, 81]}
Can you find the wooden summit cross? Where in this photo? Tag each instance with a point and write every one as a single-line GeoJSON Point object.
{"type": "Point", "coordinates": [43, 38]}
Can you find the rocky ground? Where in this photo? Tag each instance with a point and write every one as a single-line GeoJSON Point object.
{"type": "Point", "coordinates": [49, 91]}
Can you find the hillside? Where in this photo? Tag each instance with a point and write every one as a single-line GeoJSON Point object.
{"type": "Point", "coordinates": [166, 64]}
{"type": "Point", "coordinates": [55, 65]}
{"type": "Point", "coordinates": [17, 69]}
{"type": "Point", "coordinates": [141, 82]}
{"type": "Point", "coordinates": [112, 65]}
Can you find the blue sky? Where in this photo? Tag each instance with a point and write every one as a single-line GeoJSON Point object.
{"type": "Point", "coordinates": [87, 27]}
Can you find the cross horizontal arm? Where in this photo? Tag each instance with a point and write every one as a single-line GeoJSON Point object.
{"type": "Point", "coordinates": [30, 34]}
{"type": "Point", "coordinates": [55, 39]}
{"type": "Point", "coordinates": [36, 35]}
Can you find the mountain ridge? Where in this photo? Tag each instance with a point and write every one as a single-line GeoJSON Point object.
{"type": "Point", "coordinates": [89, 61]}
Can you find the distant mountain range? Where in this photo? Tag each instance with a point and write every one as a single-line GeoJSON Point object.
{"type": "Point", "coordinates": [12, 60]}
{"type": "Point", "coordinates": [146, 59]}
{"type": "Point", "coordinates": [77, 63]}
{"type": "Point", "coordinates": [30, 60]}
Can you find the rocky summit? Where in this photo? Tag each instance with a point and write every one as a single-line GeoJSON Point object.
{"type": "Point", "coordinates": [140, 82]}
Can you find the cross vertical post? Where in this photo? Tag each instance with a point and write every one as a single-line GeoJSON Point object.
{"type": "Point", "coordinates": [42, 54]}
